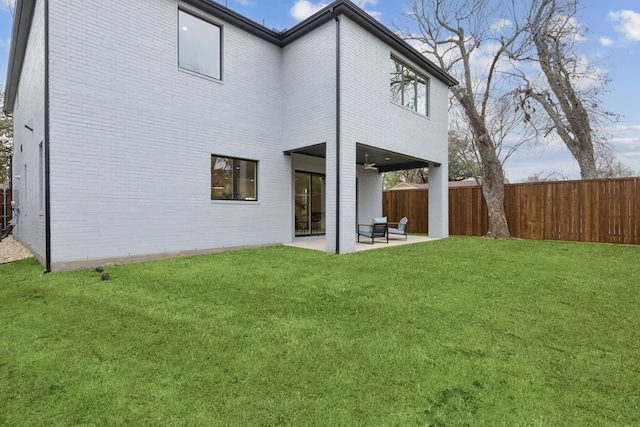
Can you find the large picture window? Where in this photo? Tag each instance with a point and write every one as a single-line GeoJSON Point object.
{"type": "Point", "coordinates": [233, 179]}
{"type": "Point", "coordinates": [199, 45]}
{"type": "Point", "coordinates": [409, 88]}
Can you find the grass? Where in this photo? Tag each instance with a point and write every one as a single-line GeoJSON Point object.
{"type": "Point", "coordinates": [463, 331]}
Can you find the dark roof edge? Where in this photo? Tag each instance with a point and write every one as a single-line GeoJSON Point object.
{"type": "Point", "coordinates": [24, 14]}
{"type": "Point", "coordinates": [236, 19]}
{"type": "Point", "coordinates": [320, 18]}
{"type": "Point", "coordinates": [19, 38]}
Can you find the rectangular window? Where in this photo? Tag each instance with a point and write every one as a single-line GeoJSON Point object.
{"type": "Point", "coordinates": [409, 88]}
{"type": "Point", "coordinates": [233, 179]}
{"type": "Point", "coordinates": [199, 45]}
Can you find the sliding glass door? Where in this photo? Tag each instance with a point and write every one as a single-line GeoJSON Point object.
{"type": "Point", "coordinates": [309, 204]}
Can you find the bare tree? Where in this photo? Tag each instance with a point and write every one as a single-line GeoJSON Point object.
{"type": "Point", "coordinates": [463, 164]}
{"type": "Point", "coordinates": [607, 166]}
{"type": "Point", "coordinates": [417, 176]}
{"type": "Point", "coordinates": [546, 177]}
{"type": "Point", "coordinates": [567, 88]}
{"type": "Point", "coordinates": [6, 141]}
{"type": "Point", "coordinates": [463, 155]}
{"type": "Point", "coordinates": [451, 32]}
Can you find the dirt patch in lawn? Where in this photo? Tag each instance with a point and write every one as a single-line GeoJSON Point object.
{"type": "Point", "coordinates": [11, 250]}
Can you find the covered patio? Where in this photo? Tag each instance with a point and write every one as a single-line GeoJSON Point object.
{"type": "Point", "coordinates": [331, 193]}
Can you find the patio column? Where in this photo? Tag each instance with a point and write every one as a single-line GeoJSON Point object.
{"type": "Point", "coordinates": [347, 197]}
{"type": "Point", "coordinates": [438, 200]}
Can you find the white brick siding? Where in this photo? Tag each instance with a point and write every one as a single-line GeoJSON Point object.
{"type": "Point", "coordinates": [309, 89]}
{"type": "Point", "coordinates": [132, 134]}
{"type": "Point", "coordinates": [29, 110]}
{"type": "Point", "coordinates": [369, 117]}
{"type": "Point", "coordinates": [367, 101]}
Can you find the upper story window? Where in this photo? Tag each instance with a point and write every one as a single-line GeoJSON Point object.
{"type": "Point", "coordinates": [409, 88]}
{"type": "Point", "coordinates": [199, 45]}
{"type": "Point", "coordinates": [233, 179]}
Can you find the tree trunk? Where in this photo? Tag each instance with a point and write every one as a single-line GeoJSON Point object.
{"type": "Point", "coordinates": [582, 150]}
{"type": "Point", "coordinates": [492, 171]}
{"type": "Point", "coordinates": [493, 190]}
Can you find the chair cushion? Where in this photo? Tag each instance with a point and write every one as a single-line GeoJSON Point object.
{"type": "Point", "coordinates": [382, 220]}
{"type": "Point", "coordinates": [365, 230]}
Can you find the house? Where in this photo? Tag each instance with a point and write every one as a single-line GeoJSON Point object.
{"type": "Point", "coordinates": [470, 182]}
{"type": "Point", "coordinates": [146, 129]}
{"type": "Point", "coordinates": [409, 186]}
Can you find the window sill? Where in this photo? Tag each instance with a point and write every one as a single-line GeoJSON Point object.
{"type": "Point", "coordinates": [201, 76]}
{"type": "Point", "coordinates": [235, 202]}
{"type": "Point", "coordinates": [410, 110]}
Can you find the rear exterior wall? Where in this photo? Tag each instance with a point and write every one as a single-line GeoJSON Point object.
{"type": "Point", "coordinates": [367, 101]}
{"type": "Point", "coordinates": [132, 135]}
{"type": "Point", "coordinates": [366, 104]}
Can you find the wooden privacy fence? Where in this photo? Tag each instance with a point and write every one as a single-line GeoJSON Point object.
{"type": "Point", "coordinates": [602, 211]}
{"type": "Point", "coordinates": [5, 207]}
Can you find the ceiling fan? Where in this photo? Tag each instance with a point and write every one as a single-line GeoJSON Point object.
{"type": "Point", "coordinates": [367, 165]}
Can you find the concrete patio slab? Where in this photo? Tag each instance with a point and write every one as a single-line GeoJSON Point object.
{"type": "Point", "coordinates": [317, 243]}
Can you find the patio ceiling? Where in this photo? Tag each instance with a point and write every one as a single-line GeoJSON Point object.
{"type": "Point", "coordinates": [385, 160]}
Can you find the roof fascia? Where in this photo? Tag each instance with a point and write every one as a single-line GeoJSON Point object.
{"type": "Point", "coordinates": [19, 38]}
{"type": "Point", "coordinates": [24, 14]}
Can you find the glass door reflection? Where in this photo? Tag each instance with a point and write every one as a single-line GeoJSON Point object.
{"type": "Point", "coordinates": [309, 204]}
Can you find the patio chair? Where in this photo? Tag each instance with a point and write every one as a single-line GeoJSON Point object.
{"type": "Point", "coordinates": [401, 228]}
{"type": "Point", "coordinates": [301, 225]}
{"type": "Point", "coordinates": [377, 229]}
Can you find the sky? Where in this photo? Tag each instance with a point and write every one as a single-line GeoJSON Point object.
{"type": "Point", "coordinates": [612, 43]}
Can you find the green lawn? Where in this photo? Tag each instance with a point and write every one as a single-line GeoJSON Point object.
{"type": "Point", "coordinates": [463, 331]}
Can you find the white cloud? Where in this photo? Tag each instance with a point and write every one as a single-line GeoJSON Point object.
{"type": "Point", "coordinates": [628, 23]}
{"type": "Point", "coordinates": [500, 24]}
{"type": "Point", "coordinates": [363, 3]}
{"type": "Point", "coordinates": [247, 3]}
{"type": "Point", "coordinates": [606, 41]}
{"type": "Point", "coordinates": [625, 138]}
{"type": "Point", "coordinates": [374, 14]}
{"type": "Point", "coordinates": [302, 9]}
{"type": "Point", "coordinates": [6, 5]}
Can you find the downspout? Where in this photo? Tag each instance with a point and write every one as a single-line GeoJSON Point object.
{"type": "Point", "coordinates": [47, 189]}
{"type": "Point", "coordinates": [6, 211]}
{"type": "Point", "coordinates": [338, 116]}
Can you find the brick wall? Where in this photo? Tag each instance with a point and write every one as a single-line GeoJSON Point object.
{"type": "Point", "coordinates": [132, 135]}
{"type": "Point", "coordinates": [28, 157]}
{"type": "Point", "coordinates": [367, 104]}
